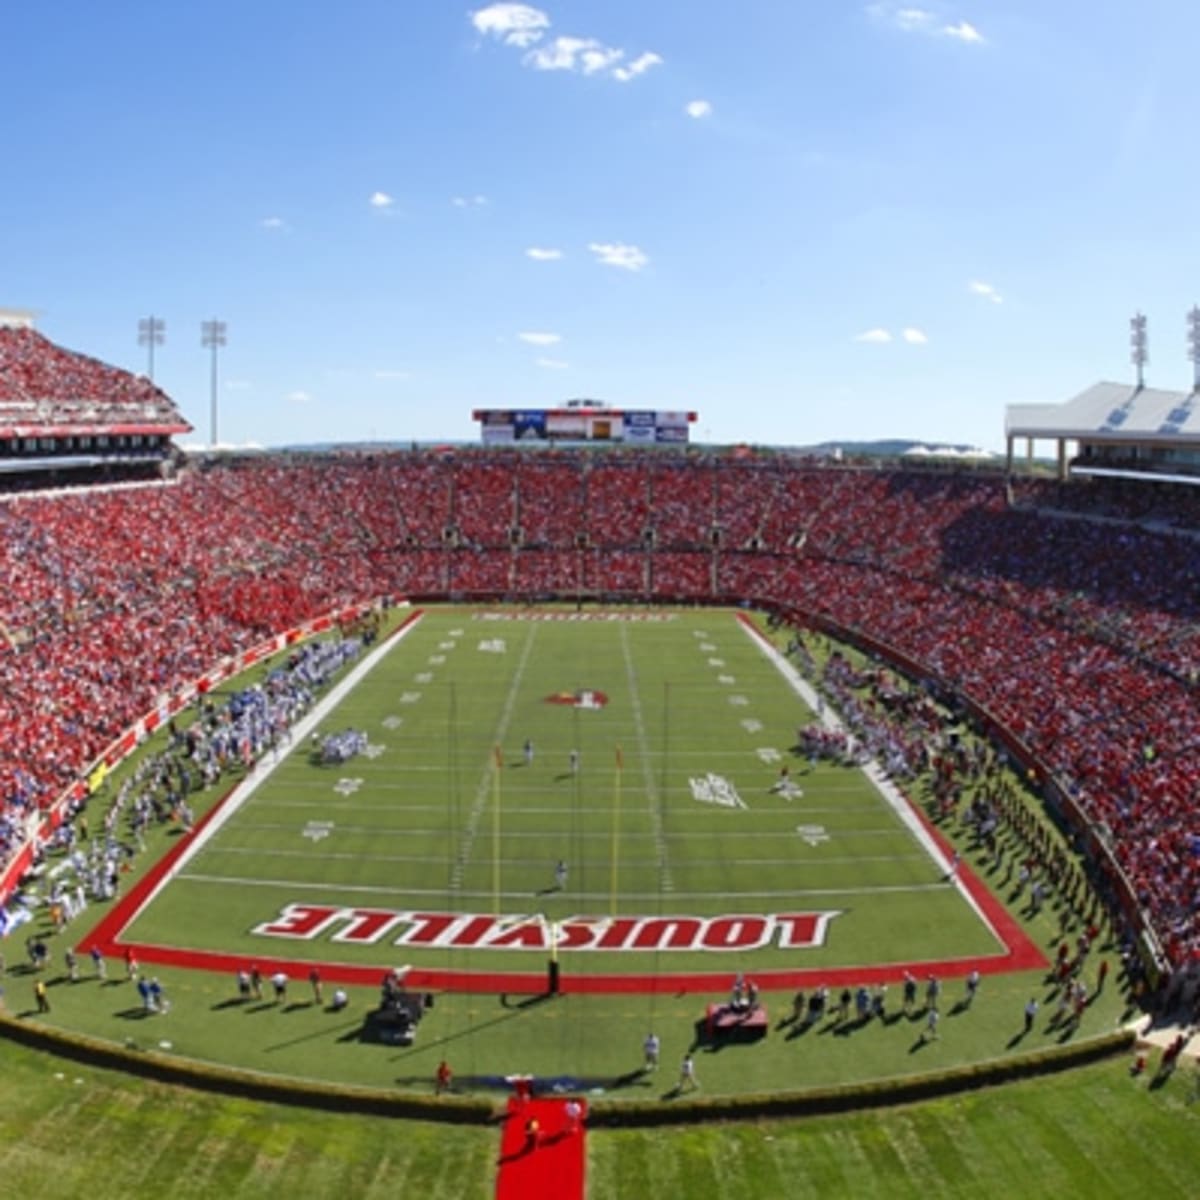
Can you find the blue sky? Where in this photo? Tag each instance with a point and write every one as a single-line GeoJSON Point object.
{"type": "Point", "coordinates": [808, 220]}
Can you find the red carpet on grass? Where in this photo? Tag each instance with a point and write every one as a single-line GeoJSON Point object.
{"type": "Point", "coordinates": [551, 1169]}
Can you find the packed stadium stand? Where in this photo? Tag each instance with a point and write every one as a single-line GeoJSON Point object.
{"type": "Point", "coordinates": [1075, 641]}
{"type": "Point", "coordinates": [68, 418]}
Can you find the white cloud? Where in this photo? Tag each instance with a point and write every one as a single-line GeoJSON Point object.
{"type": "Point", "coordinates": [698, 109]}
{"type": "Point", "coordinates": [468, 201]}
{"type": "Point", "coordinates": [273, 223]}
{"type": "Point", "coordinates": [910, 19]}
{"type": "Point", "coordinates": [915, 337]}
{"type": "Point", "coordinates": [552, 364]}
{"type": "Point", "coordinates": [299, 397]}
{"type": "Point", "coordinates": [963, 32]}
{"type": "Point", "coordinates": [543, 253]}
{"type": "Point", "coordinates": [238, 385]}
{"type": "Point", "coordinates": [639, 66]}
{"type": "Point", "coordinates": [573, 54]}
{"type": "Point", "coordinates": [986, 290]}
{"type": "Point", "coordinates": [876, 336]}
{"type": "Point", "coordinates": [618, 254]}
{"type": "Point", "coordinates": [540, 339]}
{"type": "Point", "coordinates": [381, 201]}
{"type": "Point", "coordinates": [513, 24]}
{"type": "Point", "coordinates": [525, 27]}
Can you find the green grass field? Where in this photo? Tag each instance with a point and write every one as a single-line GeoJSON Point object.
{"type": "Point", "coordinates": [434, 826]}
{"type": "Point", "coordinates": [431, 824]}
{"type": "Point", "coordinates": [427, 823]}
{"type": "Point", "coordinates": [67, 1131]}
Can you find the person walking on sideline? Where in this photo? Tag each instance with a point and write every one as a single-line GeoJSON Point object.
{"type": "Point", "coordinates": [687, 1073]}
{"type": "Point", "coordinates": [650, 1049]}
{"type": "Point", "coordinates": [1030, 1013]}
{"type": "Point", "coordinates": [532, 1134]}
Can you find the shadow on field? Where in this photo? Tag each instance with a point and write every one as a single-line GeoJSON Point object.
{"type": "Point", "coordinates": [232, 1002]}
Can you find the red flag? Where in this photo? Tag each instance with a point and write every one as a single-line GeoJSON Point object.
{"type": "Point", "coordinates": [620, 760]}
{"type": "Point", "coordinates": [498, 754]}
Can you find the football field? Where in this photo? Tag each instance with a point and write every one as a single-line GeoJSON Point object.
{"type": "Point", "coordinates": [619, 791]}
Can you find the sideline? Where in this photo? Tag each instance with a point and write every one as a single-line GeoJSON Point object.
{"type": "Point", "coordinates": [1021, 951]}
{"type": "Point", "coordinates": [122, 915]}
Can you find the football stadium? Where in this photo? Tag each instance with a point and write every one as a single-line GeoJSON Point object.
{"type": "Point", "coordinates": [599, 602]}
{"type": "Point", "coordinates": [569, 791]}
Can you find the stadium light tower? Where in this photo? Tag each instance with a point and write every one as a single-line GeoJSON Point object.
{"type": "Point", "coordinates": [1139, 346]}
{"type": "Point", "coordinates": [150, 333]}
{"type": "Point", "coordinates": [212, 337]}
{"type": "Point", "coordinates": [1193, 337]}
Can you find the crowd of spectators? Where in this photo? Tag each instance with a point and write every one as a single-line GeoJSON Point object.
{"type": "Point", "coordinates": [1081, 637]}
{"type": "Point", "coordinates": [43, 385]}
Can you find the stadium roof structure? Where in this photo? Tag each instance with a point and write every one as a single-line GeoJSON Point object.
{"type": "Point", "coordinates": [1111, 412]}
{"type": "Point", "coordinates": [48, 391]}
{"type": "Point", "coordinates": [1138, 431]}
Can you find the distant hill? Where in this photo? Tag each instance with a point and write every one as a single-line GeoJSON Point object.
{"type": "Point", "coordinates": [895, 448]}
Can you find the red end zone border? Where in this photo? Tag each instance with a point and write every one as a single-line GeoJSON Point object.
{"type": "Point", "coordinates": [1020, 952]}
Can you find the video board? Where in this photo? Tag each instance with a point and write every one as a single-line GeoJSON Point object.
{"type": "Point", "coordinates": [504, 426]}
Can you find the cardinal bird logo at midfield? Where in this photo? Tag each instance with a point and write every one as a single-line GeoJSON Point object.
{"type": "Point", "coordinates": [587, 698]}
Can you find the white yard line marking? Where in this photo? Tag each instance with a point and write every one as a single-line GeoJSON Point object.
{"type": "Point", "coordinates": [704, 897]}
{"type": "Point", "coordinates": [652, 792]}
{"type": "Point", "coordinates": [482, 791]}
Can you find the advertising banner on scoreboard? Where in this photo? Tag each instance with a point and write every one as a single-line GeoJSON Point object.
{"type": "Point", "coordinates": [566, 425]}
{"type": "Point", "coordinates": [529, 425]}
{"type": "Point", "coordinates": [670, 434]}
{"type": "Point", "coordinates": [590, 422]}
{"type": "Point", "coordinates": [497, 435]}
{"type": "Point", "coordinates": [639, 427]}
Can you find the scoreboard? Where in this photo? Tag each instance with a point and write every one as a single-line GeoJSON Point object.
{"type": "Point", "coordinates": [583, 422]}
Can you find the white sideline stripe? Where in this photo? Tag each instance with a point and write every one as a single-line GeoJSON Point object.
{"type": "Point", "coordinates": [264, 769]}
{"type": "Point", "coordinates": [708, 897]}
{"type": "Point", "coordinates": [872, 770]}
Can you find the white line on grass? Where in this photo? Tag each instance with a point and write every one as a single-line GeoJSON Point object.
{"type": "Point", "coordinates": [356, 856]}
{"type": "Point", "coordinates": [327, 888]}
{"type": "Point", "coordinates": [467, 845]}
{"type": "Point", "coordinates": [652, 793]}
{"type": "Point", "coordinates": [265, 768]}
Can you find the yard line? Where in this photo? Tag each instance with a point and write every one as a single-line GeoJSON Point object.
{"type": "Point", "coordinates": [356, 856]}
{"type": "Point", "coordinates": [467, 845]}
{"type": "Point", "coordinates": [652, 793]}
{"type": "Point", "coordinates": [598, 897]}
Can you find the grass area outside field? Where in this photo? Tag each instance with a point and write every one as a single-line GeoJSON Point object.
{"type": "Point", "coordinates": [426, 798]}
{"type": "Point", "coordinates": [67, 1131]}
